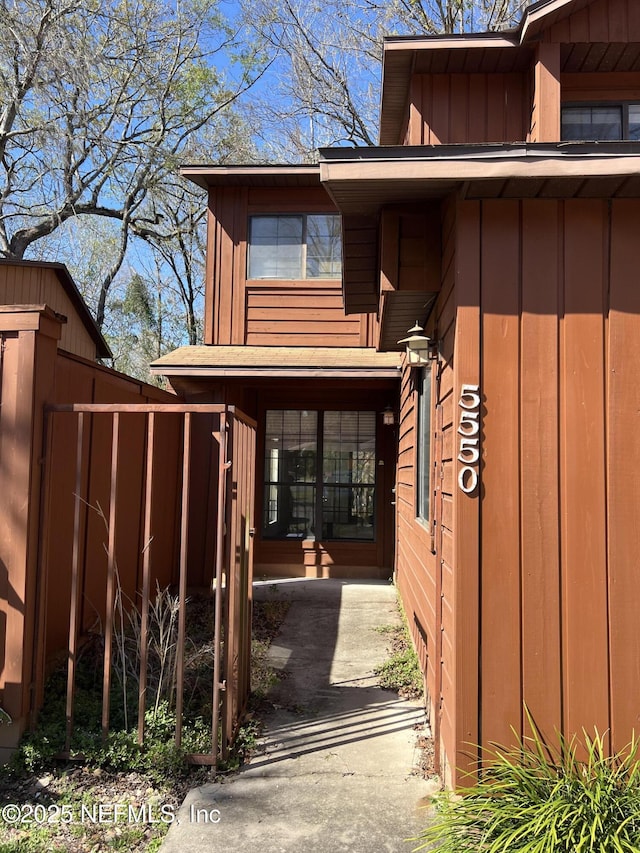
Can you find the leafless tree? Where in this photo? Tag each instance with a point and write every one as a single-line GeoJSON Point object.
{"type": "Point", "coordinates": [98, 100]}
{"type": "Point", "coordinates": [327, 61]}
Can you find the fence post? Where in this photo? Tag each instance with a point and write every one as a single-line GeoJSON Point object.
{"type": "Point", "coordinates": [28, 337]}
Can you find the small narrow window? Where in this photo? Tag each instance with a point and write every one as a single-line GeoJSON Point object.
{"type": "Point", "coordinates": [324, 247]}
{"type": "Point", "coordinates": [349, 475]}
{"type": "Point", "coordinates": [423, 443]}
{"type": "Point", "coordinates": [291, 247]}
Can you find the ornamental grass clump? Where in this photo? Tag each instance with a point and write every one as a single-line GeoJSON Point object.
{"type": "Point", "coordinates": [537, 798]}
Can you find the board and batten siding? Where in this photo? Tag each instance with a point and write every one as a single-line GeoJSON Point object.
{"type": "Point", "coordinates": [528, 591]}
{"type": "Point", "coordinates": [557, 502]}
{"type": "Point", "coordinates": [597, 24]}
{"type": "Point", "coordinates": [447, 109]}
{"type": "Point", "coordinates": [268, 312]}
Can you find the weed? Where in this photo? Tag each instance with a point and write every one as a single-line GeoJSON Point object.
{"type": "Point", "coordinates": [541, 798]}
{"type": "Point", "coordinates": [401, 672]}
{"type": "Point", "coordinates": [268, 617]}
{"type": "Point", "coordinates": [263, 675]}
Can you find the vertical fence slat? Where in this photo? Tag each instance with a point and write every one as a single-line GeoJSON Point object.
{"type": "Point", "coordinates": [217, 629]}
{"type": "Point", "coordinates": [111, 571]}
{"type": "Point", "coordinates": [43, 573]}
{"type": "Point", "coordinates": [75, 588]}
{"type": "Point", "coordinates": [246, 547]}
{"type": "Point", "coordinates": [146, 580]}
{"type": "Point", "coordinates": [228, 511]}
{"type": "Point", "coordinates": [182, 594]}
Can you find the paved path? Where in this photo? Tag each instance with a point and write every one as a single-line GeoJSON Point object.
{"type": "Point", "coordinates": [334, 770]}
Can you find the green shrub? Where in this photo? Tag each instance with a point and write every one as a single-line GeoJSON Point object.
{"type": "Point", "coordinates": [539, 798]}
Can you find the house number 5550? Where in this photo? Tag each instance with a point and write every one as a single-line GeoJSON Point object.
{"type": "Point", "coordinates": [469, 431]}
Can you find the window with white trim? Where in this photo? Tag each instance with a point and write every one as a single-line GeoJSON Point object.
{"type": "Point", "coordinates": [295, 246]}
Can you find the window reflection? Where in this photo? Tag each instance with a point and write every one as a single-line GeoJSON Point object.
{"type": "Point", "coordinates": [349, 470]}
{"type": "Point", "coordinates": [290, 474]}
{"type": "Point", "coordinates": [341, 488]}
{"type": "Point", "coordinates": [586, 123]}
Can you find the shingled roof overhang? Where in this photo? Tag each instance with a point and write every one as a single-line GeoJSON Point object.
{"type": "Point", "coordinates": [362, 181]}
{"type": "Point", "coordinates": [279, 362]}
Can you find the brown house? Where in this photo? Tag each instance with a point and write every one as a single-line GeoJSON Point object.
{"type": "Point", "coordinates": [501, 211]}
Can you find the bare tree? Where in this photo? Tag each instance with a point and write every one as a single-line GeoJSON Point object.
{"type": "Point", "coordinates": [98, 100]}
{"type": "Point", "coordinates": [327, 61]}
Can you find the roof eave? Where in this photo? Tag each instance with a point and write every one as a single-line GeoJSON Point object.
{"type": "Point", "coordinates": [207, 176]}
{"type": "Point", "coordinates": [349, 176]}
{"type": "Point", "coordinates": [275, 373]}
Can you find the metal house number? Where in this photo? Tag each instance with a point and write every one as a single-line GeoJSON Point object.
{"type": "Point", "coordinates": [469, 431]}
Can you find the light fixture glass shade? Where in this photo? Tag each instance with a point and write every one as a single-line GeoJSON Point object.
{"type": "Point", "coordinates": [418, 345]}
{"type": "Point", "coordinates": [388, 416]}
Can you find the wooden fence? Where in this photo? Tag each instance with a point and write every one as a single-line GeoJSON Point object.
{"type": "Point", "coordinates": [110, 490]}
{"type": "Point", "coordinates": [129, 474]}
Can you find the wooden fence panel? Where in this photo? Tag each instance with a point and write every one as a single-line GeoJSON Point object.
{"type": "Point", "coordinates": [135, 563]}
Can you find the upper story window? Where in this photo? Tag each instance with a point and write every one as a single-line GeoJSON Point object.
{"type": "Point", "coordinates": [295, 246]}
{"type": "Point", "coordinates": [588, 122]}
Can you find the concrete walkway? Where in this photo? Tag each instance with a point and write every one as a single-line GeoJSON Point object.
{"type": "Point", "coordinates": [334, 769]}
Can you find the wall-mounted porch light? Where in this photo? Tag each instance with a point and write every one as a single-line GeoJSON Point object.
{"type": "Point", "coordinates": [388, 416]}
{"type": "Point", "coordinates": [420, 348]}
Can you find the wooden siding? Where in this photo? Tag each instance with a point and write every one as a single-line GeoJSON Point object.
{"type": "Point", "coordinates": [410, 268]}
{"type": "Point", "coordinates": [424, 562]}
{"type": "Point", "coordinates": [613, 86]}
{"type": "Point", "coordinates": [545, 109]}
{"type": "Point", "coordinates": [299, 314]}
{"type": "Point", "coordinates": [468, 108]}
{"type": "Point", "coordinates": [410, 248]}
{"type": "Point", "coordinates": [33, 285]}
{"type": "Point", "coordinates": [268, 312]}
{"type": "Point", "coordinates": [465, 735]}
{"type": "Point", "coordinates": [226, 262]}
{"type": "Point", "coordinates": [559, 418]}
{"type": "Point", "coordinates": [599, 22]}
{"type": "Point", "coordinates": [527, 591]}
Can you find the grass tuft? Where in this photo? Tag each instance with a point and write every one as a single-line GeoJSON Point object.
{"type": "Point", "coordinates": [567, 797]}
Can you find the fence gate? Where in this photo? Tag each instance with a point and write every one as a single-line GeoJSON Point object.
{"type": "Point", "coordinates": [145, 570]}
